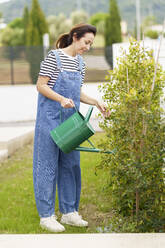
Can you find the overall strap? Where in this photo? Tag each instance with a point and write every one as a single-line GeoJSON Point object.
{"type": "Point", "coordinates": [59, 67]}
{"type": "Point", "coordinates": [80, 63]}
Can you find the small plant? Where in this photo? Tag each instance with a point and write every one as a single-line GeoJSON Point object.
{"type": "Point", "coordinates": [135, 129]}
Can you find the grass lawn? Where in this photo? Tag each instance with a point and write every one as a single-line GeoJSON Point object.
{"type": "Point", "coordinates": [18, 212]}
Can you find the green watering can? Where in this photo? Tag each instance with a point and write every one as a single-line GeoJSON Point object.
{"type": "Point", "coordinates": [74, 131]}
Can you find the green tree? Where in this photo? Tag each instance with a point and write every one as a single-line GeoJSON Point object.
{"type": "Point", "coordinates": [136, 130]}
{"type": "Point", "coordinates": [98, 20]}
{"type": "Point", "coordinates": [25, 23]}
{"type": "Point", "coordinates": [16, 23]}
{"type": "Point", "coordinates": [12, 37]}
{"type": "Point", "coordinates": [1, 15]}
{"type": "Point", "coordinates": [79, 16]}
{"type": "Point", "coordinates": [57, 26]}
{"type": "Point", "coordinates": [12, 40]}
{"type": "Point", "coordinates": [112, 30]}
{"type": "Point", "coordinates": [37, 27]}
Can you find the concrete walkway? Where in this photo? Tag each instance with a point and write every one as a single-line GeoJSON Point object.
{"type": "Point", "coordinates": [18, 112]}
{"type": "Point", "coordinates": [84, 240]}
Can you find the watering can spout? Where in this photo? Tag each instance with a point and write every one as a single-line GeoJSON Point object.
{"type": "Point", "coordinates": [88, 115]}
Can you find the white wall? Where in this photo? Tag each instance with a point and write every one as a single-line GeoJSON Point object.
{"type": "Point", "coordinates": [150, 44]}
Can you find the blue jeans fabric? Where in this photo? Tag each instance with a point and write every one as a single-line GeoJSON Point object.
{"type": "Point", "coordinates": [51, 166]}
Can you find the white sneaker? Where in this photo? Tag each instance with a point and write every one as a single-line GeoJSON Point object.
{"type": "Point", "coordinates": [51, 224]}
{"type": "Point", "coordinates": [73, 219]}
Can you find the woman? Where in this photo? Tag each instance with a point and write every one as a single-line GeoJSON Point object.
{"type": "Point", "coordinates": [59, 85]}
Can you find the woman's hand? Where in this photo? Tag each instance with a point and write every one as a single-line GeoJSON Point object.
{"type": "Point", "coordinates": [44, 89]}
{"type": "Point", "coordinates": [103, 109]}
{"type": "Point", "coordinates": [67, 102]}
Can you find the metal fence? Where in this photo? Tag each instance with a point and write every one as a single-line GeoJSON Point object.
{"type": "Point", "coordinates": [15, 65]}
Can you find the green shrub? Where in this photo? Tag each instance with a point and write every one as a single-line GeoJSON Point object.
{"type": "Point", "coordinates": [152, 34]}
{"type": "Point", "coordinates": [136, 176]}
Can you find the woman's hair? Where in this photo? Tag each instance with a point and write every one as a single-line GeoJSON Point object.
{"type": "Point", "coordinates": [80, 30]}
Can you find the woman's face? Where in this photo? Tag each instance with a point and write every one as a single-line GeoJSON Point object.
{"type": "Point", "coordinates": [84, 43]}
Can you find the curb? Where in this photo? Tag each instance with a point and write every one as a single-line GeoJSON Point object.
{"type": "Point", "coordinates": [13, 138]}
{"type": "Point", "coordinates": [3, 154]}
{"type": "Point", "coordinates": [124, 240]}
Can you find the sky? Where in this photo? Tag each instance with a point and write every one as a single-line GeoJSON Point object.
{"type": "Point", "coordinates": [3, 1]}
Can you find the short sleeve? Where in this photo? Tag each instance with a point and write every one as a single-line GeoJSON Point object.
{"type": "Point", "coordinates": [48, 66]}
{"type": "Point", "coordinates": [83, 72]}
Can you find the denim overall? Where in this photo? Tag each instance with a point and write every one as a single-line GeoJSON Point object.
{"type": "Point", "coordinates": [51, 166]}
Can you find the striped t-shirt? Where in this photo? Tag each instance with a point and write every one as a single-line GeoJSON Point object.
{"type": "Point", "coordinates": [49, 66]}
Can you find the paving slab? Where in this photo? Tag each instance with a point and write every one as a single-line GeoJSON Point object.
{"type": "Point", "coordinates": [124, 240]}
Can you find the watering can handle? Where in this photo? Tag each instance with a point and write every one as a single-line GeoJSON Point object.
{"type": "Point", "coordinates": [88, 115]}
{"type": "Point", "coordinates": [75, 108]}
{"type": "Point", "coordinates": [61, 112]}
